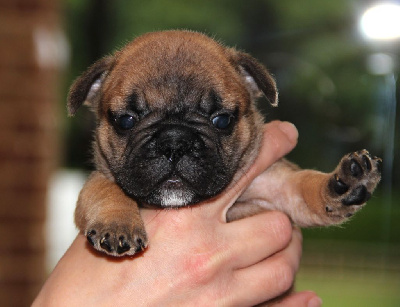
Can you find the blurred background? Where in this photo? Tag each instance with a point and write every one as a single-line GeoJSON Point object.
{"type": "Point", "coordinates": [337, 73]}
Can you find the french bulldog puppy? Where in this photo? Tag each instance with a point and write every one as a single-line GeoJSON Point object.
{"type": "Point", "coordinates": [177, 123]}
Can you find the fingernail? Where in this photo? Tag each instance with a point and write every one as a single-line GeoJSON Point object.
{"type": "Point", "coordinates": [290, 130]}
{"type": "Point", "coordinates": [315, 302]}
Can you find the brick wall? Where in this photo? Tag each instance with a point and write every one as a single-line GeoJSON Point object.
{"type": "Point", "coordinates": [29, 69]}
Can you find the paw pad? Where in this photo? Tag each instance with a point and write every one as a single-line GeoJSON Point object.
{"type": "Point", "coordinates": [357, 196]}
{"type": "Point", "coordinates": [339, 186]}
{"type": "Point", "coordinates": [352, 183]}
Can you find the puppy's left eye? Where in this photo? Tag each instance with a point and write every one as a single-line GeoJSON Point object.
{"type": "Point", "coordinates": [222, 121]}
{"type": "Point", "coordinates": [125, 122]}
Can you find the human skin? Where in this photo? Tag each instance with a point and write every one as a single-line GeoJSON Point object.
{"type": "Point", "coordinates": [194, 257]}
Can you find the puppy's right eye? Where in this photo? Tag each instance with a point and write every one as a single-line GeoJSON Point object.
{"type": "Point", "coordinates": [125, 122]}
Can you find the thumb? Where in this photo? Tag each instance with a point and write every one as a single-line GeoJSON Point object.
{"type": "Point", "coordinates": [278, 140]}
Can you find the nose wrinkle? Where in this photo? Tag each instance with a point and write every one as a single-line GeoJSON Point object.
{"type": "Point", "coordinates": [174, 143]}
{"type": "Point", "coordinates": [175, 150]}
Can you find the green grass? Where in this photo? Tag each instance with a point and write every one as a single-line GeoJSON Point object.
{"type": "Point", "coordinates": [340, 287]}
{"type": "Point", "coordinates": [351, 273]}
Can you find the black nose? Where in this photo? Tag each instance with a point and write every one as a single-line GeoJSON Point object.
{"type": "Point", "coordinates": [175, 142]}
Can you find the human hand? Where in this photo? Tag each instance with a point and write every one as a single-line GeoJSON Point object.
{"type": "Point", "coordinates": [194, 258]}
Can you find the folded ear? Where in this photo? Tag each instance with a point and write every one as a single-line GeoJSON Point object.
{"type": "Point", "coordinates": [256, 77]}
{"type": "Point", "coordinates": [86, 87]}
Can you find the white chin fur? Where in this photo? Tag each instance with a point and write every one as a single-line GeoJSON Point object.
{"type": "Point", "coordinates": [175, 198]}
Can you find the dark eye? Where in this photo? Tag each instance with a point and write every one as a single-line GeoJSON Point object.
{"type": "Point", "coordinates": [222, 121]}
{"type": "Point", "coordinates": [125, 122]}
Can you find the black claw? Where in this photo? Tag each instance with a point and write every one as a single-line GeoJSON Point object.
{"type": "Point", "coordinates": [355, 168]}
{"type": "Point", "coordinates": [328, 209]}
{"type": "Point", "coordinates": [105, 243]}
{"type": "Point", "coordinates": [349, 214]}
{"type": "Point", "coordinates": [357, 197]}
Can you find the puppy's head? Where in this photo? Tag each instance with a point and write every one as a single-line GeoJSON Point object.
{"type": "Point", "coordinates": [176, 119]}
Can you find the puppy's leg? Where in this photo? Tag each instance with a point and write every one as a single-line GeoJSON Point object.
{"type": "Point", "coordinates": [108, 218]}
{"type": "Point", "coordinates": [312, 198]}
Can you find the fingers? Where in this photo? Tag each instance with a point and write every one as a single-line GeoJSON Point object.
{"type": "Point", "coordinates": [300, 299]}
{"type": "Point", "coordinates": [256, 238]}
{"type": "Point", "coordinates": [268, 278]}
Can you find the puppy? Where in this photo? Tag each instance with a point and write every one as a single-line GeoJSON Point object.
{"type": "Point", "coordinates": [177, 124]}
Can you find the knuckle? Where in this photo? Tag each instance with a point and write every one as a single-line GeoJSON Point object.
{"type": "Point", "coordinates": [199, 268]}
{"type": "Point", "coordinates": [282, 227]}
{"type": "Point", "coordinates": [284, 276]}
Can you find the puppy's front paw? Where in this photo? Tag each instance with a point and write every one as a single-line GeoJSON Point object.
{"type": "Point", "coordinates": [117, 239]}
{"type": "Point", "coordinates": [352, 184]}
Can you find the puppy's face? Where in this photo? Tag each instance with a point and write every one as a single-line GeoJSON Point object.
{"type": "Point", "coordinates": [176, 118]}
